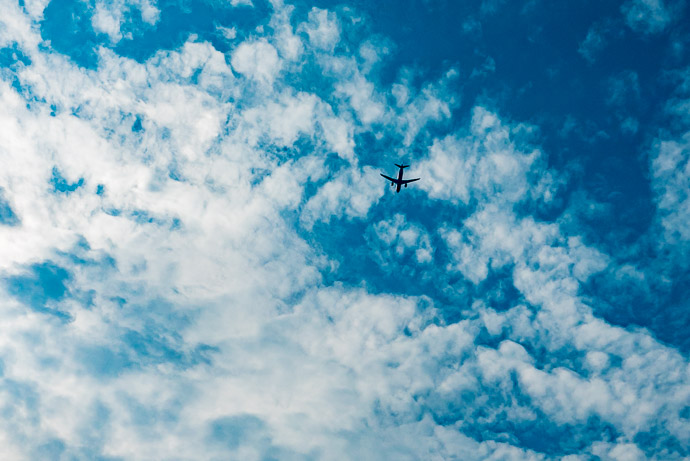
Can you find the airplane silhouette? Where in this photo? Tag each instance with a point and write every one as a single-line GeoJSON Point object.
{"type": "Point", "coordinates": [400, 181]}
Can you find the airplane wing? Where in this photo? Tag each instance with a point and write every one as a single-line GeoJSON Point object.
{"type": "Point", "coordinates": [405, 181]}
{"type": "Point", "coordinates": [389, 178]}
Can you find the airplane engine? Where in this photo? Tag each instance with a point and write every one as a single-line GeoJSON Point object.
{"type": "Point", "coordinates": [405, 185]}
{"type": "Point", "coordinates": [393, 184]}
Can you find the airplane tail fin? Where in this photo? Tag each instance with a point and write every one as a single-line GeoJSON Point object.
{"type": "Point", "coordinates": [401, 166]}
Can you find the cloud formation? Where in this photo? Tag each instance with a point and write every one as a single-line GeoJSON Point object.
{"type": "Point", "coordinates": [646, 16]}
{"type": "Point", "coordinates": [172, 275]}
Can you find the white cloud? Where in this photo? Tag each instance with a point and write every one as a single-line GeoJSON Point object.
{"type": "Point", "coordinates": [398, 235]}
{"type": "Point", "coordinates": [646, 16]}
{"type": "Point", "coordinates": [618, 452]}
{"type": "Point", "coordinates": [257, 60]}
{"type": "Point", "coordinates": [595, 41]}
{"type": "Point", "coordinates": [107, 21]}
{"type": "Point", "coordinates": [18, 27]}
{"type": "Point", "coordinates": [108, 17]}
{"type": "Point", "coordinates": [492, 238]}
{"type": "Point", "coordinates": [199, 309]}
{"type": "Point", "coordinates": [363, 99]}
{"type": "Point", "coordinates": [548, 269]}
{"type": "Point", "coordinates": [432, 104]}
{"type": "Point", "coordinates": [228, 32]}
{"type": "Point", "coordinates": [289, 44]}
{"type": "Point", "coordinates": [483, 164]}
{"type": "Point", "coordinates": [339, 135]}
{"type": "Point", "coordinates": [351, 194]}
{"type": "Point", "coordinates": [285, 119]}
{"type": "Point", "coordinates": [623, 88]}
{"type": "Point", "coordinates": [489, 7]}
{"type": "Point", "coordinates": [670, 168]}
{"type": "Point", "coordinates": [323, 29]}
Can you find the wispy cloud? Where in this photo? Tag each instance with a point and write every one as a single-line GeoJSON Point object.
{"type": "Point", "coordinates": [648, 16]}
{"type": "Point", "coordinates": [598, 36]}
{"type": "Point", "coordinates": [670, 167]}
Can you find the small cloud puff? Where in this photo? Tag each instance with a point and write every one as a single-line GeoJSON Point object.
{"type": "Point", "coordinates": [596, 40]}
{"type": "Point", "coordinates": [646, 16]}
{"type": "Point", "coordinates": [402, 236]}
{"type": "Point", "coordinates": [484, 164]}
{"type": "Point", "coordinates": [108, 17]}
{"type": "Point", "coordinates": [257, 60]}
{"type": "Point", "coordinates": [323, 29]}
{"type": "Point", "coordinates": [670, 167]}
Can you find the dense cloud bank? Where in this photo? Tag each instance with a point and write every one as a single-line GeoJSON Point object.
{"type": "Point", "coordinates": [199, 259]}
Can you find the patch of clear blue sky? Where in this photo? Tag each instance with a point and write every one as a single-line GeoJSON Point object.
{"type": "Point", "coordinates": [12, 56]}
{"type": "Point", "coordinates": [538, 76]}
{"type": "Point", "coordinates": [7, 215]}
{"type": "Point", "coordinates": [61, 184]}
{"type": "Point", "coordinates": [41, 288]}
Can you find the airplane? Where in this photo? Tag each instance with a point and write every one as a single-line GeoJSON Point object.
{"type": "Point", "coordinates": [400, 181]}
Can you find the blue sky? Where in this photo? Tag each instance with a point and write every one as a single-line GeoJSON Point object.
{"type": "Point", "coordinates": [199, 259]}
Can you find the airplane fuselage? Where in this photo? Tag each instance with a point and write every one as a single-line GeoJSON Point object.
{"type": "Point", "coordinates": [400, 179]}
